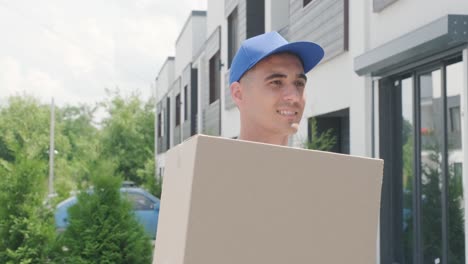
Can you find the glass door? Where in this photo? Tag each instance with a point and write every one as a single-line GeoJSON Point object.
{"type": "Point", "coordinates": [422, 217]}
{"type": "Point", "coordinates": [431, 137]}
{"type": "Point", "coordinates": [407, 171]}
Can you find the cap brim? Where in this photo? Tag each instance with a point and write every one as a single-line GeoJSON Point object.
{"type": "Point", "coordinates": [310, 53]}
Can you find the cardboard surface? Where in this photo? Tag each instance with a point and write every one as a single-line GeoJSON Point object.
{"type": "Point", "coordinates": [229, 201]}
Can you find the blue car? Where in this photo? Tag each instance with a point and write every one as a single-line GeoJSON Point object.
{"type": "Point", "coordinates": [145, 206]}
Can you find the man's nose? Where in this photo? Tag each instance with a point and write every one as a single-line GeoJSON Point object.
{"type": "Point", "coordinates": [291, 93]}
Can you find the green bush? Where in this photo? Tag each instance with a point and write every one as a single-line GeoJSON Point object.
{"type": "Point", "coordinates": [320, 141]}
{"type": "Point", "coordinates": [102, 227]}
{"type": "Point", "coordinates": [26, 227]}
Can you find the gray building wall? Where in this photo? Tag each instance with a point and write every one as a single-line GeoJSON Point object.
{"type": "Point", "coordinates": [175, 129]}
{"type": "Point", "coordinates": [321, 21]}
{"type": "Point", "coordinates": [379, 5]}
{"type": "Point", "coordinates": [163, 145]}
{"type": "Point", "coordinates": [186, 82]}
{"type": "Point", "coordinates": [241, 5]}
{"type": "Point", "coordinates": [229, 6]}
{"type": "Point", "coordinates": [211, 112]}
{"type": "Point", "coordinates": [228, 102]}
{"type": "Point", "coordinates": [211, 119]}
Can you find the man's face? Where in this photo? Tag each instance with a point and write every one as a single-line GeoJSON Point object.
{"type": "Point", "coordinates": [272, 95]}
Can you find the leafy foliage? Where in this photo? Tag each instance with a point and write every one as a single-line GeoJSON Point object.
{"type": "Point", "coordinates": [123, 145]}
{"type": "Point", "coordinates": [102, 228]}
{"type": "Point", "coordinates": [128, 135]}
{"type": "Point", "coordinates": [24, 128]}
{"type": "Point", "coordinates": [26, 227]}
{"type": "Point", "coordinates": [320, 141]}
{"type": "Point", "coordinates": [73, 163]}
{"type": "Point", "coordinates": [152, 184]}
{"type": "Point", "coordinates": [431, 194]}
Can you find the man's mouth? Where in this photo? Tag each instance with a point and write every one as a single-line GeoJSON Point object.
{"type": "Point", "coordinates": [287, 113]}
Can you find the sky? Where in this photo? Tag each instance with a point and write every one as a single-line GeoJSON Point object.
{"type": "Point", "coordinates": [75, 50]}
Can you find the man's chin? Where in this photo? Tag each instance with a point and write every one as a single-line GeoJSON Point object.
{"type": "Point", "coordinates": [294, 128]}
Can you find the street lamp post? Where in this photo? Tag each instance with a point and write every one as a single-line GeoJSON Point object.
{"type": "Point", "coordinates": [51, 149]}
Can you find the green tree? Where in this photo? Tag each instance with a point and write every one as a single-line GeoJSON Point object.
{"type": "Point", "coordinates": [102, 227]}
{"type": "Point", "coordinates": [128, 134]}
{"type": "Point", "coordinates": [25, 224]}
{"type": "Point", "coordinates": [75, 124]}
{"type": "Point", "coordinates": [26, 227]}
{"type": "Point", "coordinates": [151, 183]}
{"type": "Point", "coordinates": [24, 128]}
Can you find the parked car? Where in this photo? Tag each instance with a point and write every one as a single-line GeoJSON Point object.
{"type": "Point", "coordinates": [145, 207]}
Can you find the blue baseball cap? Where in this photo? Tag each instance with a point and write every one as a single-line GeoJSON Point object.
{"type": "Point", "coordinates": [259, 47]}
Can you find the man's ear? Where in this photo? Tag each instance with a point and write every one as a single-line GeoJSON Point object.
{"type": "Point", "coordinates": [236, 92]}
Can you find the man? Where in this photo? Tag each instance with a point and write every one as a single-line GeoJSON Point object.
{"type": "Point", "coordinates": [267, 82]}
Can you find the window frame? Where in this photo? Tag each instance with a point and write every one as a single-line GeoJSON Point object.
{"type": "Point", "coordinates": [214, 78]}
{"type": "Point", "coordinates": [185, 102]}
{"type": "Point", "coordinates": [160, 124]}
{"type": "Point", "coordinates": [233, 35]}
{"type": "Point", "coordinates": [178, 104]}
{"type": "Point", "coordinates": [387, 235]}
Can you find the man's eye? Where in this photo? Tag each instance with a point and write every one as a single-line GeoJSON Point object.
{"type": "Point", "coordinates": [276, 82]}
{"type": "Point", "coordinates": [300, 84]}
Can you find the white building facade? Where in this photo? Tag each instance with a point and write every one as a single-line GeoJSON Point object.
{"type": "Point", "coordinates": [393, 85]}
{"type": "Point", "coordinates": [176, 89]}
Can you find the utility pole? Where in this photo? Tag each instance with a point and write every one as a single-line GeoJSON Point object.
{"type": "Point", "coordinates": [51, 149]}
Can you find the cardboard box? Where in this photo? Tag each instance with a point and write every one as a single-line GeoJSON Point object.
{"type": "Point", "coordinates": [229, 201]}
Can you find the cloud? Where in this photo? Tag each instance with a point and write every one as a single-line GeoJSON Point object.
{"type": "Point", "coordinates": [38, 83]}
{"type": "Point", "coordinates": [16, 80]}
{"type": "Point", "coordinates": [74, 50]}
{"type": "Point", "coordinates": [10, 76]}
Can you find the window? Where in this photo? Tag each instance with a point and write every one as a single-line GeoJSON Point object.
{"type": "Point", "coordinates": [185, 103]}
{"type": "Point", "coordinates": [233, 35]}
{"type": "Point", "coordinates": [177, 106]}
{"type": "Point", "coordinates": [455, 120]}
{"type": "Point", "coordinates": [420, 140]}
{"type": "Point", "coordinates": [159, 125]}
{"type": "Point", "coordinates": [168, 123]}
{"type": "Point", "coordinates": [161, 121]}
{"type": "Point", "coordinates": [306, 2]}
{"type": "Point", "coordinates": [255, 18]}
{"type": "Point", "coordinates": [330, 132]}
{"type": "Point", "coordinates": [215, 80]}
{"type": "Point", "coordinates": [193, 101]}
{"type": "Point", "coordinates": [346, 26]}
{"type": "Point", "coordinates": [139, 202]}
